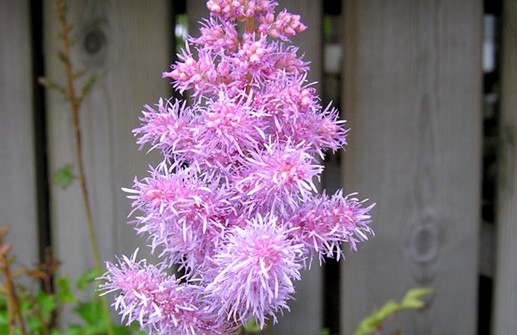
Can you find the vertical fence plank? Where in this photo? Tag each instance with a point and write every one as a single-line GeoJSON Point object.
{"type": "Point", "coordinates": [127, 46]}
{"type": "Point", "coordinates": [17, 157]}
{"type": "Point", "coordinates": [412, 99]}
{"type": "Point", "coordinates": [505, 307]}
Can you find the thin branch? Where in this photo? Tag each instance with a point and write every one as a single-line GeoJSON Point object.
{"type": "Point", "coordinates": [75, 105]}
{"type": "Point", "coordinates": [13, 303]}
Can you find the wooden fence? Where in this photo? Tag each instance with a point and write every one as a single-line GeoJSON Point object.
{"type": "Point", "coordinates": [411, 92]}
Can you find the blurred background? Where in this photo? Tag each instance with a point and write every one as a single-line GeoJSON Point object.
{"type": "Point", "coordinates": [428, 89]}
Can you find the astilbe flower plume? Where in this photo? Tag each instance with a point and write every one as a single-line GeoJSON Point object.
{"type": "Point", "coordinates": [234, 203]}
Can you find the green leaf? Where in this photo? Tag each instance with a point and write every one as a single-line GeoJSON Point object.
{"type": "Point", "coordinates": [78, 73]}
{"type": "Point", "coordinates": [47, 304]}
{"type": "Point", "coordinates": [33, 324]}
{"type": "Point", "coordinates": [389, 308]}
{"type": "Point", "coordinates": [25, 306]}
{"type": "Point", "coordinates": [134, 329]}
{"type": "Point", "coordinates": [87, 278]}
{"type": "Point", "coordinates": [64, 176]}
{"type": "Point", "coordinates": [252, 327]}
{"type": "Point", "coordinates": [74, 330]}
{"type": "Point", "coordinates": [91, 313]}
{"type": "Point", "coordinates": [4, 317]}
{"type": "Point", "coordinates": [52, 85]}
{"type": "Point", "coordinates": [412, 300]}
{"type": "Point", "coordinates": [88, 85]}
{"type": "Point", "coordinates": [65, 294]}
{"type": "Point", "coordinates": [63, 57]}
{"type": "Point", "coordinates": [124, 330]}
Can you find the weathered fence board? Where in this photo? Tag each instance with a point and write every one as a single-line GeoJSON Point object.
{"type": "Point", "coordinates": [412, 98]}
{"type": "Point", "coordinates": [127, 45]}
{"type": "Point", "coordinates": [505, 306]}
{"type": "Point", "coordinates": [17, 161]}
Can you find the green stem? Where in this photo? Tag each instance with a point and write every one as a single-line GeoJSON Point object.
{"type": "Point", "coordinates": [75, 106]}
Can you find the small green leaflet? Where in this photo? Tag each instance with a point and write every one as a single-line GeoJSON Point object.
{"type": "Point", "coordinates": [64, 176]}
{"type": "Point", "coordinates": [412, 300]}
{"type": "Point", "coordinates": [65, 294]}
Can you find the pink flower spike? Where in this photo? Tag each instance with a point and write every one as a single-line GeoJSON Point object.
{"type": "Point", "coordinates": [234, 204]}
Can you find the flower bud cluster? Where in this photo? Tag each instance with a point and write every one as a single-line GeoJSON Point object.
{"type": "Point", "coordinates": [234, 203]}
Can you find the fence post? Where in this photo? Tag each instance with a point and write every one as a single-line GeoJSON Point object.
{"type": "Point", "coordinates": [18, 205]}
{"type": "Point", "coordinates": [505, 301]}
{"type": "Point", "coordinates": [127, 46]}
{"type": "Point", "coordinates": [412, 93]}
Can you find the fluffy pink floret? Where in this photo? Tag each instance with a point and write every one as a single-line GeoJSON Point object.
{"type": "Point", "coordinates": [239, 9]}
{"type": "Point", "coordinates": [278, 176]}
{"type": "Point", "coordinates": [169, 127]}
{"type": "Point", "coordinates": [323, 224]}
{"type": "Point", "coordinates": [229, 127]}
{"type": "Point", "coordinates": [255, 270]}
{"type": "Point", "coordinates": [181, 215]}
{"type": "Point", "coordinates": [189, 73]}
{"type": "Point", "coordinates": [159, 303]}
{"type": "Point", "coordinates": [283, 27]}
{"type": "Point", "coordinates": [218, 37]}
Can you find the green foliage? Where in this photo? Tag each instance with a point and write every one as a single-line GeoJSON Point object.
{"type": "Point", "coordinates": [181, 31]}
{"type": "Point", "coordinates": [64, 176]}
{"type": "Point", "coordinates": [252, 327]}
{"type": "Point", "coordinates": [374, 322]}
{"type": "Point", "coordinates": [65, 294]}
{"type": "Point", "coordinates": [87, 86]}
{"type": "Point", "coordinates": [39, 310]}
{"type": "Point", "coordinates": [4, 316]}
{"type": "Point", "coordinates": [87, 278]}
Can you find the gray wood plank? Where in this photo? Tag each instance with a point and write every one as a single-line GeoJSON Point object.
{"type": "Point", "coordinates": [17, 182]}
{"type": "Point", "coordinates": [505, 301]}
{"type": "Point", "coordinates": [412, 100]}
{"type": "Point", "coordinates": [127, 46]}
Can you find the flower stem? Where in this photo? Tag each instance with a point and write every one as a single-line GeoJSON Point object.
{"type": "Point", "coordinates": [75, 106]}
{"type": "Point", "coordinates": [13, 303]}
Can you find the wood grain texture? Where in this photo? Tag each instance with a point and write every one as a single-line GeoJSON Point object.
{"type": "Point", "coordinates": [17, 182]}
{"type": "Point", "coordinates": [127, 46]}
{"type": "Point", "coordinates": [505, 301]}
{"type": "Point", "coordinates": [305, 316]}
{"type": "Point", "coordinates": [412, 99]}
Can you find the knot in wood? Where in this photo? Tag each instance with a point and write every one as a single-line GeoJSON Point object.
{"type": "Point", "coordinates": [94, 44]}
{"type": "Point", "coordinates": [424, 243]}
{"type": "Point", "coordinates": [94, 40]}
